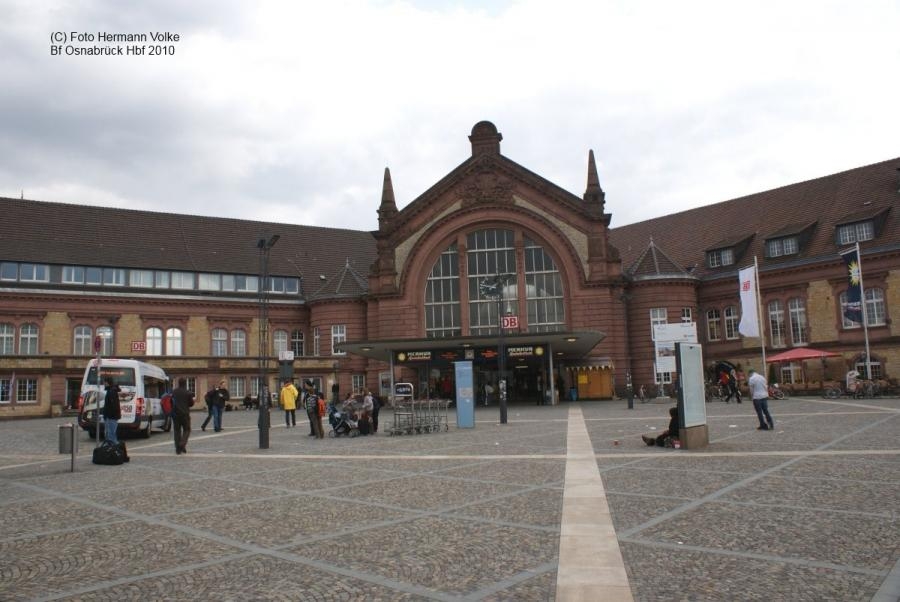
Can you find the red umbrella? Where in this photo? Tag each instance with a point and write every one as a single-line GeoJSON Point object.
{"type": "Point", "coordinates": [799, 354]}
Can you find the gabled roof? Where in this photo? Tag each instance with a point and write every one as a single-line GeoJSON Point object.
{"type": "Point", "coordinates": [686, 235]}
{"type": "Point", "coordinates": [58, 233]}
{"type": "Point", "coordinates": [654, 263]}
{"type": "Point", "coordinates": [347, 283]}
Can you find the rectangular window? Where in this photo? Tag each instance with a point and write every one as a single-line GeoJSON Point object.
{"type": "Point", "coordinates": [791, 373]}
{"type": "Point", "coordinates": [183, 280]}
{"type": "Point", "coordinates": [687, 315]}
{"type": "Point", "coordinates": [209, 282]}
{"type": "Point", "coordinates": [238, 343]}
{"type": "Point", "coordinates": [797, 311]}
{"type": "Point", "coordinates": [162, 279]}
{"type": "Point", "coordinates": [191, 384]}
{"type": "Point", "coordinates": [731, 323]}
{"type": "Point", "coordinates": [34, 272]}
{"type": "Point", "coordinates": [93, 276]}
{"type": "Point", "coordinates": [359, 384]}
{"type": "Point", "coordinates": [5, 390]}
{"type": "Point", "coordinates": [26, 389]}
{"type": "Point", "coordinates": [291, 286]}
{"type": "Point", "coordinates": [776, 324]}
{"type": "Point", "coordinates": [141, 278]}
{"type": "Point", "coordinates": [658, 317]}
{"type": "Point", "coordinates": [858, 232]}
{"type": "Point", "coordinates": [237, 387]}
{"type": "Point", "coordinates": [338, 335]}
{"type": "Point", "coordinates": [720, 257]}
{"type": "Point", "coordinates": [9, 271]}
{"type": "Point", "coordinates": [317, 339]}
{"type": "Point", "coordinates": [713, 325]}
{"type": "Point", "coordinates": [28, 339]}
{"type": "Point", "coordinates": [113, 277]}
{"type": "Point", "coordinates": [73, 274]}
{"type": "Point", "coordinates": [782, 246]}
{"type": "Point", "coordinates": [219, 342]}
{"type": "Point", "coordinates": [7, 339]}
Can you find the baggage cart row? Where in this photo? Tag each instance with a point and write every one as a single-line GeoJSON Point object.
{"type": "Point", "coordinates": [417, 417]}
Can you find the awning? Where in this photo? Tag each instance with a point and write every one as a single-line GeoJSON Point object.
{"type": "Point", "coordinates": [566, 345]}
{"type": "Point", "coordinates": [798, 354]}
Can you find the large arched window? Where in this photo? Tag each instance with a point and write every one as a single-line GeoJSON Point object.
{"type": "Point", "coordinates": [107, 340]}
{"type": "Point", "coordinates": [153, 338]}
{"type": "Point", "coordinates": [219, 342]}
{"type": "Point", "coordinates": [442, 313]}
{"type": "Point", "coordinates": [7, 339]}
{"type": "Point", "coordinates": [875, 310]}
{"type": "Point", "coordinates": [279, 341]}
{"type": "Point", "coordinates": [492, 253]}
{"type": "Point", "coordinates": [173, 341]}
{"type": "Point", "coordinates": [238, 343]}
{"type": "Point", "coordinates": [797, 313]}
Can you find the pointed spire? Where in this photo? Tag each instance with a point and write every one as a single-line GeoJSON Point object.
{"type": "Point", "coordinates": [388, 208]}
{"type": "Point", "coordinates": [593, 193]}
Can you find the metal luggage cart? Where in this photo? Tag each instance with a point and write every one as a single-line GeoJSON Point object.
{"type": "Point", "coordinates": [404, 420]}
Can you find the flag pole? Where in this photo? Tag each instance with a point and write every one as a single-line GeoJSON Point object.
{"type": "Point", "coordinates": [762, 328]}
{"type": "Point", "coordinates": [865, 319]}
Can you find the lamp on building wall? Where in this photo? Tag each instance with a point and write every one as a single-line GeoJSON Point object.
{"type": "Point", "coordinates": [492, 288]}
{"type": "Point", "coordinates": [262, 389]}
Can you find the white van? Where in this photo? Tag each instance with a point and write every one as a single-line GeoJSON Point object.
{"type": "Point", "coordinates": [142, 387]}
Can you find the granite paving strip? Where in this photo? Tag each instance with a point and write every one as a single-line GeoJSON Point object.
{"type": "Point", "coordinates": [590, 563]}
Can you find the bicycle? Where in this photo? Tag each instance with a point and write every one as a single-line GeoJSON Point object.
{"type": "Point", "coordinates": [776, 392]}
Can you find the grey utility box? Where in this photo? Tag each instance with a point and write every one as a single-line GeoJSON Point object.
{"type": "Point", "coordinates": [66, 438]}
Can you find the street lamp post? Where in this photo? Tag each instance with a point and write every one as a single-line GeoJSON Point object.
{"type": "Point", "coordinates": [265, 246]}
{"type": "Point", "coordinates": [493, 289]}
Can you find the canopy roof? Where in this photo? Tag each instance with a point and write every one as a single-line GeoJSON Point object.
{"type": "Point", "coordinates": [800, 353]}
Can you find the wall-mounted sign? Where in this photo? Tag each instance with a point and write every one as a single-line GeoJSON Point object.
{"type": "Point", "coordinates": [509, 321]}
{"type": "Point", "coordinates": [138, 346]}
{"type": "Point", "coordinates": [414, 356]}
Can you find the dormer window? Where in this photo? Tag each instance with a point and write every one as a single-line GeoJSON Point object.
{"type": "Point", "coordinates": [850, 233]}
{"type": "Point", "coordinates": [782, 246]}
{"type": "Point", "coordinates": [720, 257]}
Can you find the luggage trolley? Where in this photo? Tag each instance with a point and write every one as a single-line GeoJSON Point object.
{"type": "Point", "coordinates": [404, 410]}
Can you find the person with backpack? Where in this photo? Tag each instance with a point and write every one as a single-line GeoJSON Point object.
{"type": "Point", "coordinates": [182, 401]}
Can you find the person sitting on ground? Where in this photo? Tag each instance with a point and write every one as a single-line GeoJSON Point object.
{"type": "Point", "coordinates": [668, 435]}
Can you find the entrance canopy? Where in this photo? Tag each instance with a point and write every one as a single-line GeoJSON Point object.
{"type": "Point", "coordinates": [798, 354]}
{"type": "Point", "coordinates": [564, 345]}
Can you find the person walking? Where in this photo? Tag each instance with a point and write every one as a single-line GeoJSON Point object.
{"type": "Point", "coordinates": [759, 393]}
{"type": "Point", "coordinates": [112, 411]}
{"type": "Point", "coordinates": [219, 397]}
{"type": "Point", "coordinates": [376, 407]}
{"type": "Point", "coordinates": [288, 398]}
{"type": "Point", "coordinates": [182, 401]}
{"type": "Point", "coordinates": [208, 398]}
{"type": "Point", "coordinates": [311, 403]}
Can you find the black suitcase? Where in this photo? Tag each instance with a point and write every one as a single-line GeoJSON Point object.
{"type": "Point", "coordinates": [365, 428]}
{"type": "Point", "coordinates": [108, 454]}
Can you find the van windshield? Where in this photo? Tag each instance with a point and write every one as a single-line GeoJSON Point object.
{"type": "Point", "coordinates": [124, 377]}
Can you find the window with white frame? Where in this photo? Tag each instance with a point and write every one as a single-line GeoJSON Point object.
{"type": "Point", "coordinates": [209, 282]}
{"type": "Point", "coordinates": [26, 389]}
{"type": "Point", "coordinates": [720, 257]}
{"type": "Point", "coordinates": [317, 340]}
{"type": "Point", "coordinates": [34, 272]}
{"type": "Point", "coordinates": [776, 323]}
{"type": "Point", "coordinates": [191, 384]}
{"type": "Point", "coordinates": [297, 343]}
{"type": "Point", "coordinates": [862, 367]}
{"type": "Point", "coordinates": [490, 253]}
{"type": "Point", "coordinates": [5, 390]}
{"type": "Point", "coordinates": [7, 339]}
{"type": "Point", "coordinates": [857, 232]}
{"type": "Point", "coordinates": [782, 246]}
{"type": "Point", "coordinates": [237, 387]}
{"type": "Point", "coordinates": [731, 323]}
{"type": "Point", "coordinates": [687, 315]}
{"type": "Point", "coordinates": [543, 290]}
{"type": "Point", "coordinates": [9, 271]}
{"type": "Point", "coordinates": [797, 313]}
{"type": "Point", "coordinates": [658, 317]}
{"type": "Point", "coordinates": [442, 303]}
{"type": "Point", "coordinates": [82, 339]}
{"type": "Point", "coordinates": [174, 341]}
{"type": "Point", "coordinates": [141, 278]}
{"type": "Point", "coordinates": [338, 335]}
{"type": "Point", "coordinates": [238, 343]}
{"type": "Point", "coordinates": [279, 341]}
{"type": "Point", "coordinates": [93, 276]}
{"type": "Point", "coordinates": [359, 384]}
{"type": "Point", "coordinates": [72, 274]}
{"type": "Point", "coordinates": [183, 280]}
{"type": "Point", "coordinates": [28, 339]}
{"type": "Point", "coordinates": [713, 325]}
{"type": "Point", "coordinates": [875, 309]}
{"type": "Point", "coordinates": [113, 277]}
{"type": "Point", "coordinates": [107, 340]}
{"type": "Point", "coordinates": [791, 373]}
{"type": "Point", "coordinates": [153, 337]}
{"type": "Point", "coordinates": [161, 279]}
{"type": "Point", "coordinates": [661, 378]}
{"type": "Point", "coordinates": [219, 342]}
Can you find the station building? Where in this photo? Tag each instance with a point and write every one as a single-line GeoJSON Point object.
{"type": "Point", "coordinates": [491, 242]}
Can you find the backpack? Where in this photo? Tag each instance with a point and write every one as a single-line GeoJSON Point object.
{"type": "Point", "coordinates": [321, 406]}
{"type": "Point", "coordinates": [167, 405]}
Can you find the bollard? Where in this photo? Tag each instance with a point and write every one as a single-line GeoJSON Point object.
{"type": "Point", "coordinates": [264, 422]}
{"type": "Point", "coordinates": [68, 444]}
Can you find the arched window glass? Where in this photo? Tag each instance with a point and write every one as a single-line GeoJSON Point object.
{"type": "Point", "coordinates": [28, 339]}
{"type": "Point", "coordinates": [219, 342]}
{"type": "Point", "coordinates": [83, 338]}
{"type": "Point", "coordinates": [442, 306]}
{"type": "Point", "coordinates": [238, 343]}
{"type": "Point", "coordinates": [153, 338]}
{"type": "Point", "coordinates": [279, 341]}
{"type": "Point", "coordinates": [173, 341]}
{"type": "Point", "coordinates": [543, 290]}
{"type": "Point", "coordinates": [491, 254]}
{"type": "Point", "coordinates": [107, 340]}
{"type": "Point", "coordinates": [797, 312]}
{"type": "Point", "coordinates": [776, 323]}
{"type": "Point", "coordinates": [7, 339]}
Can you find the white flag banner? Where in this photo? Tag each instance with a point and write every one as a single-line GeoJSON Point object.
{"type": "Point", "coordinates": [749, 326]}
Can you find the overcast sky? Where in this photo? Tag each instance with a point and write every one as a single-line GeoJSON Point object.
{"type": "Point", "coordinates": [290, 111]}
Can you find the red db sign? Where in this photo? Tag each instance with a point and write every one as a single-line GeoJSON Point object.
{"type": "Point", "coordinates": [509, 322]}
{"type": "Point", "coordinates": [138, 346]}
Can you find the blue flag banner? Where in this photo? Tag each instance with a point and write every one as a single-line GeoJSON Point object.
{"type": "Point", "coordinates": [853, 310]}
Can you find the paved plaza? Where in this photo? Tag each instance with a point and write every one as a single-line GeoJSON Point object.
{"type": "Point", "coordinates": [810, 511]}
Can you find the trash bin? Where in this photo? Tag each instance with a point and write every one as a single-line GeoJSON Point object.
{"type": "Point", "coordinates": [66, 438]}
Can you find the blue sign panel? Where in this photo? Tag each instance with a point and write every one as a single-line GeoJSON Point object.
{"type": "Point", "coordinates": [465, 395]}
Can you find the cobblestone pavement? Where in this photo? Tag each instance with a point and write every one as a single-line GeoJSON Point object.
{"type": "Point", "coordinates": [810, 511]}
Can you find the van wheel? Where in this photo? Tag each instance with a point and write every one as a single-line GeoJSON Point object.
{"type": "Point", "coordinates": [146, 432]}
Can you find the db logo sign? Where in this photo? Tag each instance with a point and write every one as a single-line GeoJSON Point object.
{"type": "Point", "coordinates": [138, 346]}
{"type": "Point", "coordinates": [509, 322]}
